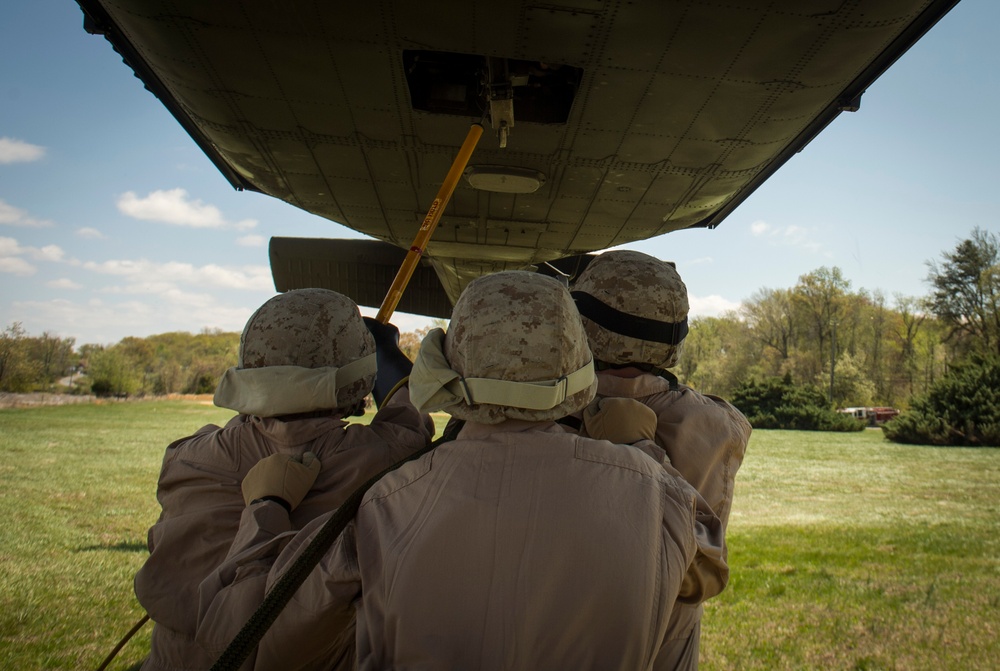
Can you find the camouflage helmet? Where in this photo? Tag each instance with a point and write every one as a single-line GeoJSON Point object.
{"type": "Point", "coordinates": [518, 326]}
{"type": "Point", "coordinates": [634, 309]}
{"type": "Point", "coordinates": [309, 328]}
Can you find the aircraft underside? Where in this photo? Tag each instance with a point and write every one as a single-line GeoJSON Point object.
{"type": "Point", "coordinates": [607, 122]}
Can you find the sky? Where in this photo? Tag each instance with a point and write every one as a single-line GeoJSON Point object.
{"type": "Point", "coordinates": [114, 224]}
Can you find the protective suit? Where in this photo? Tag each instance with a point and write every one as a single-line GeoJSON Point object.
{"type": "Point", "coordinates": [517, 545]}
{"type": "Point", "coordinates": [634, 309]}
{"type": "Point", "coordinates": [308, 355]}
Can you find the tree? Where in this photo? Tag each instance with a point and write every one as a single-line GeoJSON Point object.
{"type": "Point", "coordinates": [872, 354]}
{"type": "Point", "coordinates": [769, 314]}
{"type": "Point", "coordinates": [141, 355]}
{"type": "Point", "coordinates": [853, 387]}
{"type": "Point", "coordinates": [778, 403]}
{"type": "Point", "coordinates": [966, 293]}
{"type": "Point", "coordinates": [113, 373]}
{"type": "Point", "coordinates": [187, 363]}
{"type": "Point", "coordinates": [409, 341]}
{"type": "Point", "coordinates": [911, 319]}
{"type": "Point", "coordinates": [717, 354]}
{"type": "Point", "coordinates": [819, 299]}
{"type": "Point", "coordinates": [962, 408]}
{"type": "Point", "coordinates": [51, 356]}
{"type": "Point", "coordinates": [16, 371]}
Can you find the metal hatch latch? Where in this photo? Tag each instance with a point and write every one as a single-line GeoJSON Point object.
{"type": "Point", "coordinates": [502, 111]}
{"type": "Point", "coordinates": [500, 89]}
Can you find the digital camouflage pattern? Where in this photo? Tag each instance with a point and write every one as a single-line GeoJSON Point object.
{"type": "Point", "coordinates": [309, 328]}
{"type": "Point", "coordinates": [639, 285]}
{"type": "Point", "coordinates": [517, 326]}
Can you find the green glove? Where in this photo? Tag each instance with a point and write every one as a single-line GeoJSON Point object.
{"type": "Point", "coordinates": [284, 476]}
{"type": "Point", "coordinates": [620, 420]}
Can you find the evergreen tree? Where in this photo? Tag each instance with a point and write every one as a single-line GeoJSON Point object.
{"type": "Point", "coordinates": [778, 403]}
{"type": "Point", "coordinates": [962, 408]}
{"type": "Point", "coordinates": [966, 292]}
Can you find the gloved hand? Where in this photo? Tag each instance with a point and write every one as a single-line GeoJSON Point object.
{"type": "Point", "coordinates": [284, 476]}
{"type": "Point", "coordinates": [620, 420]}
{"type": "Point", "coordinates": [393, 365]}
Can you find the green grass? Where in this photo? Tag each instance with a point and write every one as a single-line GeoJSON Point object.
{"type": "Point", "coordinates": [77, 491]}
{"type": "Point", "coordinates": [847, 552]}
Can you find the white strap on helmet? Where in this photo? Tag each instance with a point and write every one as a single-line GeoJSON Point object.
{"type": "Point", "coordinates": [435, 386]}
{"type": "Point", "coordinates": [271, 391]}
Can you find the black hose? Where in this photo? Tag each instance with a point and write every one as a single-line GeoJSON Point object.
{"type": "Point", "coordinates": [121, 644]}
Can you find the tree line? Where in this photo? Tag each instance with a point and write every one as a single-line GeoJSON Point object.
{"type": "Point", "coordinates": [166, 363]}
{"type": "Point", "coordinates": [858, 348]}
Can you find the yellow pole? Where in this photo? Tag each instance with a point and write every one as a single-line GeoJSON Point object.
{"type": "Point", "coordinates": [430, 223]}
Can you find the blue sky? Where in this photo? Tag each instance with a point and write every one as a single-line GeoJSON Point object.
{"type": "Point", "coordinates": [113, 223]}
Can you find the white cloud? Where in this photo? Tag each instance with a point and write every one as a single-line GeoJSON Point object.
{"type": "Point", "coordinates": [159, 276]}
{"type": "Point", "coordinates": [795, 232]}
{"type": "Point", "coordinates": [248, 277]}
{"type": "Point", "coordinates": [16, 266]}
{"type": "Point", "coordinates": [48, 253]}
{"type": "Point", "coordinates": [12, 253]}
{"type": "Point", "coordinates": [108, 321]}
{"type": "Point", "coordinates": [18, 151]}
{"type": "Point", "coordinates": [91, 321]}
{"type": "Point", "coordinates": [14, 216]}
{"type": "Point", "coordinates": [176, 208]}
{"type": "Point", "coordinates": [710, 306]}
{"type": "Point", "coordinates": [245, 224]}
{"type": "Point", "coordinates": [116, 267]}
{"type": "Point", "coordinates": [90, 233]}
{"type": "Point", "coordinates": [251, 241]}
{"type": "Point", "coordinates": [792, 236]}
{"type": "Point", "coordinates": [63, 283]}
{"type": "Point", "coordinates": [9, 247]}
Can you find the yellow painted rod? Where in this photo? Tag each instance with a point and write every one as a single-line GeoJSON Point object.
{"type": "Point", "coordinates": [430, 223]}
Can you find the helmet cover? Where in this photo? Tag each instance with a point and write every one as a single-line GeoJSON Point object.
{"type": "Point", "coordinates": [309, 328]}
{"type": "Point", "coordinates": [634, 308]}
{"type": "Point", "coordinates": [517, 326]}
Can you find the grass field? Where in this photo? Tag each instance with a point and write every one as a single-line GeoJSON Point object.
{"type": "Point", "coordinates": [847, 552]}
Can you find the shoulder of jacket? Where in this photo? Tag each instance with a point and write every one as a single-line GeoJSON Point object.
{"type": "Point", "coordinates": [616, 456]}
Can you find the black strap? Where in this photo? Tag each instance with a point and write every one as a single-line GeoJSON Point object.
{"type": "Point", "coordinates": [249, 636]}
{"type": "Point", "coordinates": [653, 330]}
{"type": "Point", "coordinates": [669, 377]}
{"type": "Point", "coordinates": [572, 422]}
{"type": "Point", "coordinates": [276, 499]}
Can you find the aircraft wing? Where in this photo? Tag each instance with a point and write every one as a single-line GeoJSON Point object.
{"type": "Point", "coordinates": [361, 269]}
{"type": "Point", "coordinates": [608, 122]}
{"type": "Point", "coordinates": [365, 269]}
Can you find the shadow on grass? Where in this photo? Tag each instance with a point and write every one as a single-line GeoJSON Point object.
{"type": "Point", "coordinates": [134, 546]}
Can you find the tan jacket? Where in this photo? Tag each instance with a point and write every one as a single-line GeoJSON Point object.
{"type": "Point", "coordinates": [516, 546]}
{"type": "Point", "coordinates": [199, 492]}
{"type": "Point", "coordinates": [704, 436]}
{"type": "Point", "coordinates": [705, 439]}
